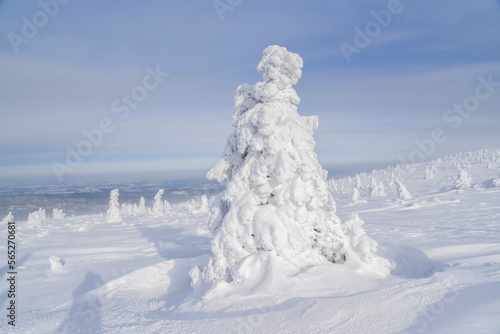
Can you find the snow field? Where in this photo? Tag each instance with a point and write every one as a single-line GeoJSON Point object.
{"type": "Point", "coordinates": [86, 274]}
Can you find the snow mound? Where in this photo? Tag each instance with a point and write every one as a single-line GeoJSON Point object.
{"type": "Point", "coordinates": [408, 262]}
{"type": "Point", "coordinates": [492, 183]}
{"type": "Point", "coordinates": [56, 265]}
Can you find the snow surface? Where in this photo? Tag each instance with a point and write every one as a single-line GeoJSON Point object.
{"type": "Point", "coordinates": [84, 274]}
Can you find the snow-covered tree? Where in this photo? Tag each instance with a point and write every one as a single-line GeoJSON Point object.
{"type": "Point", "coordinates": [113, 213]}
{"type": "Point", "coordinates": [360, 249]}
{"type": "Point", "coordinates": [58, 213]}
{"type": "Point", "coordinates": [8, 218]}
{"type": "Point", "coordinates": [393, 177]}
{"type": "Point", "coordinates": [403, 193]}
{"type": "Point", "coordinates": [381, 189]}
{"type": "Point", "coordinates": [276, 199]}
{"type": "Point", "coordinates": [141, 208]}
{"type": "Point", "coordinates": [358, 182]}
{"type": "Point", "coordinates": [36, 218]}
{"type": "Point", "coordinates": [127, 209]}
{"type": "Point", "coordinates": [355, 196]}
{"type": "Point", "coordinates": [376, 189]}
{"type": "Point", "coordinates": [332, 185]}
{"type": "Point", "coordinates": [463, 180]}
{"type": "Point", "coordinates": [166, 205]}
{"type": "Point", "coordinates": [429, 173]}
{"type": "Point", "coordinates": [158, 204]}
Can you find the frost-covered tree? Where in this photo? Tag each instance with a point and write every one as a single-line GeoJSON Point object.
{"type": "Point", "coordinates": [393, 178]}
{"type": "Point", "coordinates": [36, 218]}
{"type": "Point", "coordinates": [429, 173]}
{"type": "Point", "coordinates": [58, 213]}
{"type": "Point", "coordinates": [403, 193]}
{"type": "Point", "coordinates": [358, 182]}
{"type": "Point", "coordinates": [276, 198]}
{"type": "Point", "coordinates": [166, 205]}
{"type": "Point", "coordinates": [113, 213]}
{"type": "Point", "coordinates": [355, 196]}
{"type": "Point", "coordinates": [376, 189]}
{"type": "Point", "coordinates": [463, 180]}
{"type": "Point", "coordinates": [332, 185]}
{"type": "Point", "coordinates": [158, 204]}
{"type": "Point", "coordinates": [381, 189]}
{"type": "Point", "coordinates": [8, 218]}
{"type": "Point", "coordinates": [141, 208]}
{"type": "Point", "coordinates": [127, 209]}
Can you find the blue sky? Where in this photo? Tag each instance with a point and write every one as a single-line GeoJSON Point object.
{"type": "Point", "coordinates": [64, 77]}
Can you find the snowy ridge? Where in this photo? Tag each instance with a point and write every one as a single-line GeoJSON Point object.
{"type": "Point", "coordinates": [137, 275]}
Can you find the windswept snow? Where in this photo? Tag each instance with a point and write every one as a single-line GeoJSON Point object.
{"type": "Point", "coordinates": [142, 275]}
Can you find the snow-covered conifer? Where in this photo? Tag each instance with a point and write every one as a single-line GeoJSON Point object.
{"type": "Point", "coordinates": [127, 209]}
{"type": "Point", "coordinates": [332, 185]}
{"type": "Point", "coordinates": [113, 213]}
{"type": "Point", "coordinates": [358, 182]}
{"type": "Point", "coordinates": [403, 193]}
{"type": "Point", "coordinates": [276, 201]}
{"type": "Point", "coordinates": [376, 188]}
{"type": "Point", "coordinates": [373, 188]}
{"type": "Point", "coordinates": [429, 173]}
{"type": "Point", "coordinates": [141, 209]}
{"type": "Point", "coordinates": [381, 189]}
{"type": "Point", "coordinates": [8, 218]}
{"type": "Point", "coordinates": [355, 196]}
{"type": "Point", "coordinates": [158, 209]}
{"type": "Point", "coordinates": [36, 218]}
{"type": "Point", "coordinates": [166, 205]}
{"type": "Point", "coordinates": [58, 213]}
{"type": "Point", "coordinates": [393, 177]}
{"type": "Point", "coordinates": [463, 180]}
{"type": "Point", "coordinates": [361, 248]}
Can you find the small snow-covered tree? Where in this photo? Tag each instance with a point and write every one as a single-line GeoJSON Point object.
{"type": "Point", "coordinates": [393, 177]}
{"type": "Point", "coordinates": [332, 185]}
{"type": "Point", "coordinates": [58, 213]}
{"type": "Point", "coordinates": [166, 205]}
{"type": "Point", "coordinates": [429, 173]}
{"type": "Point", "coordinates": [358, 182]}
{"type": "Point", "coordinates": [276, 199]}
{"type": "Point", "coordinates": [141, 208]}
{"type": "Point", "coordinates": [403, 193]}
{"type": "Point", "coordinates": [113, 213]}
{"type": "Point", "coordinates": [463, 180]}
{"type": "Point", "coordinates": [36, 218]}
{"type": "Point", "coordinates": [127, 209]}
{"type": "Point", "coordinates": [361, 248]}
{"type": "Point", "coordinates": [381, 189]}
{"type": "Point", "coordinates": [158, 204]}
{"type": "Point", "coordinates": [355, 196]}
{"type": "Point", "coordinates": [376, 189]}
{"type": "Point", "coordinates": [8, 218]}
